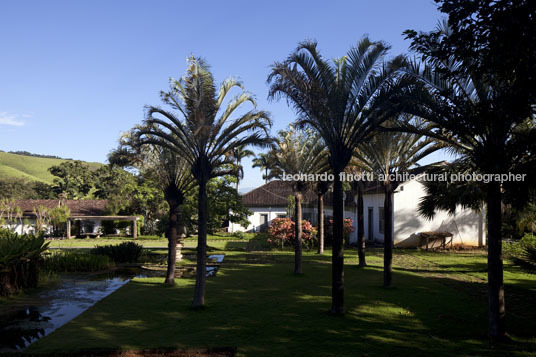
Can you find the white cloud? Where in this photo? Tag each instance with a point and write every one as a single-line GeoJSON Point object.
{"type": "Point", "coordinates": [10, 119]}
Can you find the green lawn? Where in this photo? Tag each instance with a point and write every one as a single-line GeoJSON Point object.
{"type": "Point", "coordinates": [256, 305]}
{"type": "Point", "coordinates": [215, 241]}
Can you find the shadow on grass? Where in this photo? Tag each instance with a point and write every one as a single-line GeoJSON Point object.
{"type": "Point", "coordinates": [260, 308]}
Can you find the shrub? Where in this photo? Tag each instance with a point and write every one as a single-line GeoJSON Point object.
{"type": "Point", "coordinates": [512, 250]}
{"type": "Point", "coordinates": [328, 224]}
{"type": "Point", "coordinates": [282, 232]}
{"type": "Point", "coordinates": [126, 252]}
{"type": "Point", "coordinates": [75, 262]}
{"type": "Point", "coordinates": [20, 259]}
{"type": "Point", "coordinates": [239, 235]}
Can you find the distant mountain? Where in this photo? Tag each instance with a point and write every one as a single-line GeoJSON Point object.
{"type": "Point", "coordinates": [31, 166]}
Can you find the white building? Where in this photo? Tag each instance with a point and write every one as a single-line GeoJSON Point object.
{"type": "Point", "coordinates": [85, 218]}
{"type": "Point", "coordinates": [466, 226]}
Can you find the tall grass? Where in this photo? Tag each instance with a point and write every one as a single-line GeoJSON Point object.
{"type": "Point", "coordinates": [75, 262]}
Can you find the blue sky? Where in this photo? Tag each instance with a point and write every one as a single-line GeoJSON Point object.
{"type": "Point", "coordinates": [75, 74]}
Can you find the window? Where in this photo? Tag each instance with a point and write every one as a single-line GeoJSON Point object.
{"type": "Point", "coordinates": [381, 221]}
{"type": "Point", "coordinates": [281, 215]}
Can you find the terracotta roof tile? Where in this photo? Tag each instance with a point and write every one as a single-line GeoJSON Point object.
{"type": "Point", "coordinates": [77, 207]}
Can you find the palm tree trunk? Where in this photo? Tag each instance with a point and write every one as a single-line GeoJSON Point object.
{"type": "Point", "coordinates": [320, 223]}
{"type": "Point", "coordinates": [496, 307]}
{"type": "Point", "coordinates": [298, 233]}
{"type": "Point", "coordinates": [337, 255]}
{"type": "Point", "coordinates": [388, 234]}
{"type": "Point", "coordinates": [172, 244]}
{"type": "Point", "coordinates": [360, 226]}
{"type": "Point", "coordinates": [201, 271]}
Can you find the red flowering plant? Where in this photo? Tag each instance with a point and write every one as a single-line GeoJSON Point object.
{"type": "Point", "coordinates": [328, 224]}
{"type": "Point", "coordinates": [281, 233]}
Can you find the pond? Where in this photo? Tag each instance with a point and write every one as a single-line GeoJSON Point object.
{"type": "Point", "coordinates": [75, 294]}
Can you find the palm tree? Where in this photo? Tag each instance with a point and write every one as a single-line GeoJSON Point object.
{"type": "Point", "coordinates": [297, 153]}
{"type": "Point", "coordinates": [357, 188]}
{"type": "Point", "coordinates": [170, 171]}
{"type": "Point", "coordinates": [204, 137]}
{"type": "Point", "coordinates": [469, 113]}
{"type": "Point", "coordinates": [264, 162]}
{"type": "Point", "coordinates": [339, 100]}
{"type": "Point", "coordinates": [321, 188]}
{"type": "Point", "coordinates": [238, 154]}
{"type": "Point", "coordinates": [387, 154]}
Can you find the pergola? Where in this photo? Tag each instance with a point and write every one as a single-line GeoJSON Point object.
{"type": "Point", "coordinates": [134, 220]}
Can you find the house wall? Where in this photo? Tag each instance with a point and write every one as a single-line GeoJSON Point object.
{"type": "Point", "coordinates": [27, 226]}
{"type": "Point", "coordinates": [255, 218]}
{"type": "Point", "coordinates": [466, 225]}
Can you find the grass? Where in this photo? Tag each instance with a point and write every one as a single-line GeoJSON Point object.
{"type": "Point", "coordinates": [30, 167]}
{"type": "Point", "coordinates": [256, 305]}
{"type": "Point", "coordinates": [69, 261]}
{"type": "Point", "coordinates": [215, 241]}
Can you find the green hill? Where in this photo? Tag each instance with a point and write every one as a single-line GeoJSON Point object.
{"type": "Point", "coordinates": [30, 167]}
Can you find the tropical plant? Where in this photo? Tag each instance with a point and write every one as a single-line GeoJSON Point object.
{"type": "Point", "coordinates": [357, 190]}
{"type": "Point", "coordinates": [339, 99]}
{"type": "Point", "coordinates": [238, 154]}
{"type": "Point", "coordinates": [297, 152]}
{"type": "Point", "coordinates": [42, 218]}
{"type": "Point", "coordinates": [386, 154]}
{"type": "Point", "coordinates": [282, 232]}
{"type": "Point", "coordinates": [482, 108]}
{"type": "Point", "coordinates": [20, 257]}
{"type": "Point", "coordinates": [264, 162]}
{"type": "Point", "coordinates": [204, 137]}
{"type": "Point", "coordinates": [321, 188]}
{"type": "Point", "coordinates": [67, 261]}
{"type": "Point", "coordinates": [126, 252]}
{"type": "Point", "coordinates": [170, 172]}
{"type": "Point", "coordinates": [58, 218]}
{"type": "Point", "coordinates": [348, 228]}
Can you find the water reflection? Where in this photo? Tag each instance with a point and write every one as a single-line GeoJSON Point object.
{"type": "Point", "coordinates": [20, 328]}
{"type": "Point", "coordinates": [74, 295]}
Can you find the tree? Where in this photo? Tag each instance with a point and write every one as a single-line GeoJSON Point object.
{"type": "Point", "coordinates": [479, 100]}
{"type": "Point", "coordinates": [263, 161]}
{"type": "Point", "coordinates": [297, 153]}
{"type": "Point", "coordinates": [387, 154]}
{"type": "Point", "coordinates": [204, 137]}
{"type": "Point", "coordinates": [338, 100]}
{"type": "Point", "coordinates": [357, 189]}
{"type": "Point", "coordinates": [72, 178]}
{"type": "Point", "coordinates": [238, 154]}
{"type": "Point", "coordinates": [171, 172]}
{"type": "Point", "coordinates": [321, 188]}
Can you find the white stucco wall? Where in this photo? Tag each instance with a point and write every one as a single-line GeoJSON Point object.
{"type": "Point", "coordinates": [466, 225]}
{"type": "Point", "coordinates": [255, 218]}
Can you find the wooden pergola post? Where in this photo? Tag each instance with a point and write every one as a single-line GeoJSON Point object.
{"type": "Point", "coordinates": [135, 228]}
{"type": "Point", "coordinates": [68, 228]}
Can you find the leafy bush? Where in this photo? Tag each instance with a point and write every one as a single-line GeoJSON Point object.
{"type": "Point", "coordinates": [20, 258]}
{"type": "Point", "coordinates": [75, 262]}
{"type": "Point", "coordinates": [512, 250]}
{"type": "Point", "coordinates": [328, 224]}
{"type": "Point", "coordinates": [239, 235]}
{"type": "Point", "coordinates": [126, 252]}
{"type": "Point", "coordinates": [526, 260]}
{"type": "Point", "coordinates": [282, 232]}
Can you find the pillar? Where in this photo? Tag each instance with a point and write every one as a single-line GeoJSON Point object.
{"type": "Point", "coordinates": [135, 228]}
{"type": "Point", "coordinates": [68, 228]}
